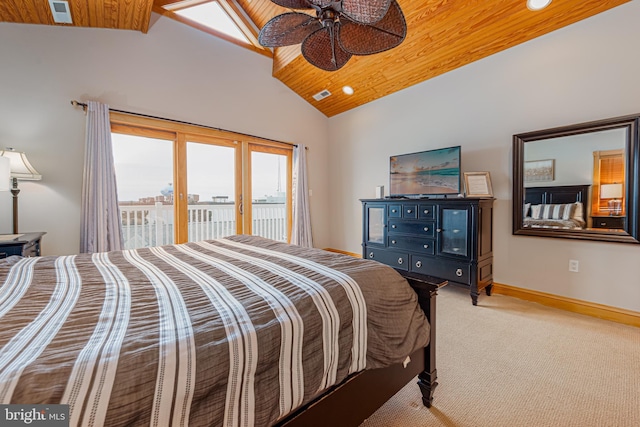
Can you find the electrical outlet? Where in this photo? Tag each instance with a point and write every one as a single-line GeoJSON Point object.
{"type": "Point", "coordinates": [574, 265]}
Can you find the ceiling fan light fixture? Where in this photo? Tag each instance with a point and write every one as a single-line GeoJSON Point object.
{"type": "Point", "coordinates": [340, 29]}
{"type": "Point", "coordinates": [537, 4]}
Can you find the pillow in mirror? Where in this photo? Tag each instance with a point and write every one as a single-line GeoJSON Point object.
{"type": "Point", "coordinates": [578, 212]}
{"type": "Point", "coordinates": [563, 211]}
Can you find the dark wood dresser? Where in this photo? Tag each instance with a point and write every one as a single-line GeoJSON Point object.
{"type": "Point", "coordinates": [449, 239]}
{"type": "Point", "coordinates": [28, 244]}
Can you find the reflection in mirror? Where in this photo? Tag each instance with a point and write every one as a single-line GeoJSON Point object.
{"type": "Point", "coordinates": [578, 181]}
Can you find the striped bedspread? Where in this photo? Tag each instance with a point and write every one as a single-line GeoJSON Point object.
{"type": "Point", "coordinates": [232, 332]}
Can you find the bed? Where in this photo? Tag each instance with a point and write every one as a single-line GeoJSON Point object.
{"type": "Point", "coordinates": [239, 331]}
{"type": "Point", "coordinates": [556, 207]}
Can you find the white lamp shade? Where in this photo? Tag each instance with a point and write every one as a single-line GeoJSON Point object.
{"type": "Point", "coordinates": [5, 174]}
{"type": "Point", "coordinates": [610, 191]}
{"type": "Point", "coordinates": [20, 166]}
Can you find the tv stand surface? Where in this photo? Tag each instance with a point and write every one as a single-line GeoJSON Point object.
{"type": "Point", "coordinates": [426, 197]}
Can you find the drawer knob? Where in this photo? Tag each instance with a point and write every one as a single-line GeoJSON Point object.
{"type": "Point", "coordinates": [425, 246]}
{"type": "Point", "coordinates": [439, 230]}
{"type": "Point", "coordinates": [400, 261]}
{"type": "Point", "coordinates": [459, 272]}
{"type": "Point", "coordinates": [371, 255]}
{"type": "Point", "coordinates": [393, 226]}
{"type": "Point", "coordinates": [409, 210]}
{"type": "Point", "coordinates": [426, 211]}
{"type": "Point", "coordinates": [393, 211]}
{"type": "Point", "coordinates": [456, 231]}
{"type": "Point", "coordinates": [418, 264]}
{"type": "Point", "coordinates": [426, 229]}
{"type": "Point", "coordinates": [393, 242]}
{"type": "Point", "coordinates": [603, 223]}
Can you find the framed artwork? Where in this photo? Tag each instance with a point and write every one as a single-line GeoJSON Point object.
{"type": "Point", "coordinates": [539, 170]}
{"type": "Point", "coordinates": [478, 184]}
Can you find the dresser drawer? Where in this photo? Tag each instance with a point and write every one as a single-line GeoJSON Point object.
{"type": "Point", "coordinates": [397, 260]}
{"type": "Point", "coordinates": [616, 222]}
{"type": "Point", "coordinates": [426, 212]}
{"type": "Point", "coordinates": [395, 211]}
{"type": "Point", "coordinates": [31, 249]}
{"type": "Point", "coordinates": [414, 244]}
{"type": "Point", "coordinates": [417, 228]}
{"type": "Point", "coordinates": [410, 211]}
{"type": "Point", "coordinates": [459, 272]}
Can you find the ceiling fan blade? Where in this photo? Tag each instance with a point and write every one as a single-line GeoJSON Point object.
{"type": "Point", "coordinates": [385, 34]}
{"type": "Point", "coordinates": [319, 50]}
{"type": "Point", "coordinates": [365, 11]}
{"type": "Point", "coordinates": [301, 4]}
{"type": "Point", "coordinates": [287, 29]}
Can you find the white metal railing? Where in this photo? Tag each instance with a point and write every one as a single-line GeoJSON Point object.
{"type": "Point", "coordinates": [153, 225]}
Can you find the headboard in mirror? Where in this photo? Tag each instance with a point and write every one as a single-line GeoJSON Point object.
{"type": "Point", "coordinates": [579, 181]}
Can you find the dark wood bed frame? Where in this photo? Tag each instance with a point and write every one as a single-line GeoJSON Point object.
{"type": "Point", "coordinates": [558, 195]}
{"type": "Point", "coordinates": [360, 395]}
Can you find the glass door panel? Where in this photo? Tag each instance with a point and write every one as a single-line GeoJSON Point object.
{"type": "Point", "coordinates": [375, 224]}
{"type": "Point", "coordinates": [211, 191]}
{"type": "Point", "coordinates": [454, 232]}
{"type": "Point", "coordinates": [144, 176]}
{"type": "Point", "coordinates": [270, 193]}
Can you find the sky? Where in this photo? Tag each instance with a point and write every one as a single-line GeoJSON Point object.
{"type": "Point", "coordinates": [144, 168]}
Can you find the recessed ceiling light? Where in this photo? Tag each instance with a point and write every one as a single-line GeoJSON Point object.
{"type": "Point", "coordinates": [347, 90]}
{"type": "Point", "coordinates": [537, 4]}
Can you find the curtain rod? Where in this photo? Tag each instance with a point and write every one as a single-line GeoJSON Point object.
{"type": "Point", "coordinates": [84, 107]}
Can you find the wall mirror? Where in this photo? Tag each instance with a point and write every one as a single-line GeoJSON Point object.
{"type": "Point", "coordinates": [579, 181]}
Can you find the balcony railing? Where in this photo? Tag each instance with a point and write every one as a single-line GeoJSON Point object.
{"type": "Point", "coordinates": [153, 225]}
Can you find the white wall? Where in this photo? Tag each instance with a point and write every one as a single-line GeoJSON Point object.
{"type": "Point", "coordinates": [573, 155]}
{"type": "Point", "coordinates": [174, 71]}
{"type": "Point", "coordinates": [584, 72]}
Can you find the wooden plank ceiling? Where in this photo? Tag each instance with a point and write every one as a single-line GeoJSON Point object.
{"type": "Point", "coordinates": [442, 35]}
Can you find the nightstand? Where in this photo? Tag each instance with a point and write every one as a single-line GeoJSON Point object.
{"type": "Point", "coordinates": [27, 244]}
{"type": "Point", "coordinates": [608, 221]}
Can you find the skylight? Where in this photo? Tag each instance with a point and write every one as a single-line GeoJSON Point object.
{"type": "Point", "coordinates": [211, 15]}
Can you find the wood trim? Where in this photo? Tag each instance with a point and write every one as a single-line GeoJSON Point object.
{"type": "Point", "coordinates": [619, 315]}
{"type": "Point", "coordinates": [144, 132]}
{"type": "Point", "coordinates": [247, 215]}
{"type": "Point", "coordinates": [338, 251]}
{"type": "Point", "coordinates": [135, 120]}
{"type": "Point", "coordinates": [180, 203]}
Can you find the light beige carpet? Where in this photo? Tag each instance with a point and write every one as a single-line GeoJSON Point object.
{"type": "Point", "coordinates": [509, 362]}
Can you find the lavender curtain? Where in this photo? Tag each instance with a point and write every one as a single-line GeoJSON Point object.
{"type": "Point", "coordinates": [101, 229]}
{"type": "Point", "coordinates": [301, 227]}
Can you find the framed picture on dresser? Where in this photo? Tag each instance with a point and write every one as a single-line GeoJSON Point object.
{"type": "Point", "coordinates": [478, 184]}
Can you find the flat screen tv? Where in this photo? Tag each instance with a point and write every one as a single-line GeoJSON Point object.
{"type": "Point", "coordinates": [427, 173]}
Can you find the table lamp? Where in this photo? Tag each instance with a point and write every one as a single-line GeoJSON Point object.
{"type": "Point", "coordinates": [612, 192]}
{"type": "Point", "coordinates": [20, 169]}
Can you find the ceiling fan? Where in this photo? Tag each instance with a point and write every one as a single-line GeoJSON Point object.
{"type": "Point", "coordinates": [338, 30]}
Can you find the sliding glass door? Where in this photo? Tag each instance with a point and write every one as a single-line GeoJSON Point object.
{"type": "Point", "coordinates": [213, 205]}
{"type": "Point", "coordinates": [144, 174]}
{"type": "Point", "coordinates": [270, 189]}
{"type": "Point", "coordinates": [192, 184]}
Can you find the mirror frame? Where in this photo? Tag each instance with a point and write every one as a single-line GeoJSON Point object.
{"type": "Point", "coordinates": [632, 199]}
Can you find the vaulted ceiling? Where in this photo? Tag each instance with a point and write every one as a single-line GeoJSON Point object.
{"type": "Point", "coordinates": [442, 35]}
